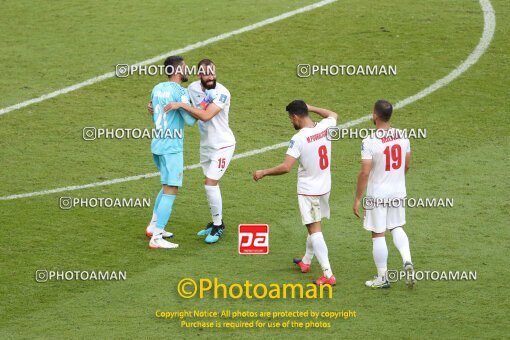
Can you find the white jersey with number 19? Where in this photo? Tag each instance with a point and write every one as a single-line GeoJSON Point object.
{"type": "Point", "coordinates": [312, 148]}
{"type": "Point", "coordinates": [388, 155]}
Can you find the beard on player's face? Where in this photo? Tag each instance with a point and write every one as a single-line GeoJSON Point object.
{"type": "Point", "coordinates": [294, 123]}
{"type": "Point", "coordinates": [208, 84]}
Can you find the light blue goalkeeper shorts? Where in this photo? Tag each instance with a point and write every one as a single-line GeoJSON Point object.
{"type": "Point", "coordinates": [171, 167]}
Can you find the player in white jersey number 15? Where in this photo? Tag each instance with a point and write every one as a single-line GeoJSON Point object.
{"type": "Point", "coordinates": [311, 147]}
{"type": "Point", "coordinates": [385, 160]}
{"type": "Point", "coordinates": [211, 105]}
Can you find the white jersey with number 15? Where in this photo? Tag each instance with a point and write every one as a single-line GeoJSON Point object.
{"type": "Point", "coordinates": [216, 132]}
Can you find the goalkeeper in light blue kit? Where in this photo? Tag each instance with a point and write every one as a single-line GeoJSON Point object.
{"type": "Point", "coordinates": [167, 147]}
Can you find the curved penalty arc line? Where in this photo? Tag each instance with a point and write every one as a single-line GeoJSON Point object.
{"type": "Point", "coordinates": [487, 35]}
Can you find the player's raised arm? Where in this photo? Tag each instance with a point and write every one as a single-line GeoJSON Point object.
{"type": "Point", "coordinates": [281, 169]}
{"type": "Point", "coordinates": [207, 111]}
{"type": "Point", "coordinates": [366, 166]}
{"type": "Point", "coordinates": [204, 115]}
{"type": "Point", "coordinates": [324, 113]}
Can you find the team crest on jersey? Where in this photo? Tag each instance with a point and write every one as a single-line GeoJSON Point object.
{"type": "Point", "coordinates": [291, 144]}
{"type": "Point", "coordinates": [223, 98]}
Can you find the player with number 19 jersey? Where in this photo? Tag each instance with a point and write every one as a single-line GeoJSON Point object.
{"type": "Point", "coordinates": [386, 179]}
{"type": "Point", "coordinates": [388, 154]}
{"type": "Point", "coordinates": [385, 159]}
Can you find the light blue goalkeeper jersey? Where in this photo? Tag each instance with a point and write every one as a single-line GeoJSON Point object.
{"type": "Point", "coordinates": [170, 125]}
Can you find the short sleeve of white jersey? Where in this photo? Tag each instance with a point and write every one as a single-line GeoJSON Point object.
{"type": "Point", "coordinates": [222, 99]}
{"type": "Point", "coordinates": [366, 153]}
{"type": "Point", "coordinates": [294, 149]}
{"type": "Point", "coordinates": [408, 146]}
{"type": "Point", "coordinates": [328, 122]}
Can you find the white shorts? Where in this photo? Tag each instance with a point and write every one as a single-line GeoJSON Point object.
{"type": "Point", "coordinates": [215, 162]}
{"type": "Point", "coordinates": [313, 208]}
{"type": "Point", "coordinates": [379, 219]}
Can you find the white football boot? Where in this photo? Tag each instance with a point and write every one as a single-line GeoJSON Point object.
{"type": "Point", "coordinates": [378, 282]}
{"type": "Point", "coordinates": [150, 230]}
{"type": "Point", "coordinates": [157, 241]}
{"type": "Point", "coordinates": [409, 269]}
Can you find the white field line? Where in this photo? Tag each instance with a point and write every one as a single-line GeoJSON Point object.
{"type": "Point", "coordinates": [167, 54]}
{"type": "Point", "coordinates": [488, 33]}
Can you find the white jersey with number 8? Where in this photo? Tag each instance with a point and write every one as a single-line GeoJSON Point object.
{"type": "Point", "coordinates": [312, 148]}
{"type": "Point", "coordinates": [388, 155]}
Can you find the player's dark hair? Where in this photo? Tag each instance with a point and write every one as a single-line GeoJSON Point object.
{"type": "Point", "coordinates": [172, 63]}
{"type": "Point", "coordinates": [383, 109]}
{"type": "Point", "coordinates": [204, 64]}
{"type": "Point", "coordinates": [298, 108]}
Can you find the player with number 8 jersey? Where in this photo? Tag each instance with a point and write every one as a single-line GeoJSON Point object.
{"type": "Point", "coordinates": [312, 148]}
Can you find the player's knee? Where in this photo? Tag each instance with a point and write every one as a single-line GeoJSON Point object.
{"type": "Point", "coordinates": [170, 190]}
{"type": "Point", "coordinates": [210, 181]}
{"type": "Point", "coordinates": [314, 227]}
{"type": "Point", "coordinates": [374, 235]}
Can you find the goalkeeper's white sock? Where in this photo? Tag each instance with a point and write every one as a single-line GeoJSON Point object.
{"type": "Point", "coordinates": [401, 241]}
{"type": "Point", "coordinates": [321, 252]}
{"type": "Point", "coordinates": [215, 203]}
{"type": "Point", "coordinates": [307, 259]}
{"type": "Point", "coordinates": [380, 253]}
{"type": "Point", "coordinates": [153, 220]}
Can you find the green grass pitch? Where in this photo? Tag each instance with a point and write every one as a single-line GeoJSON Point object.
{"type": "Point", "coordinates": [48, 45]}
